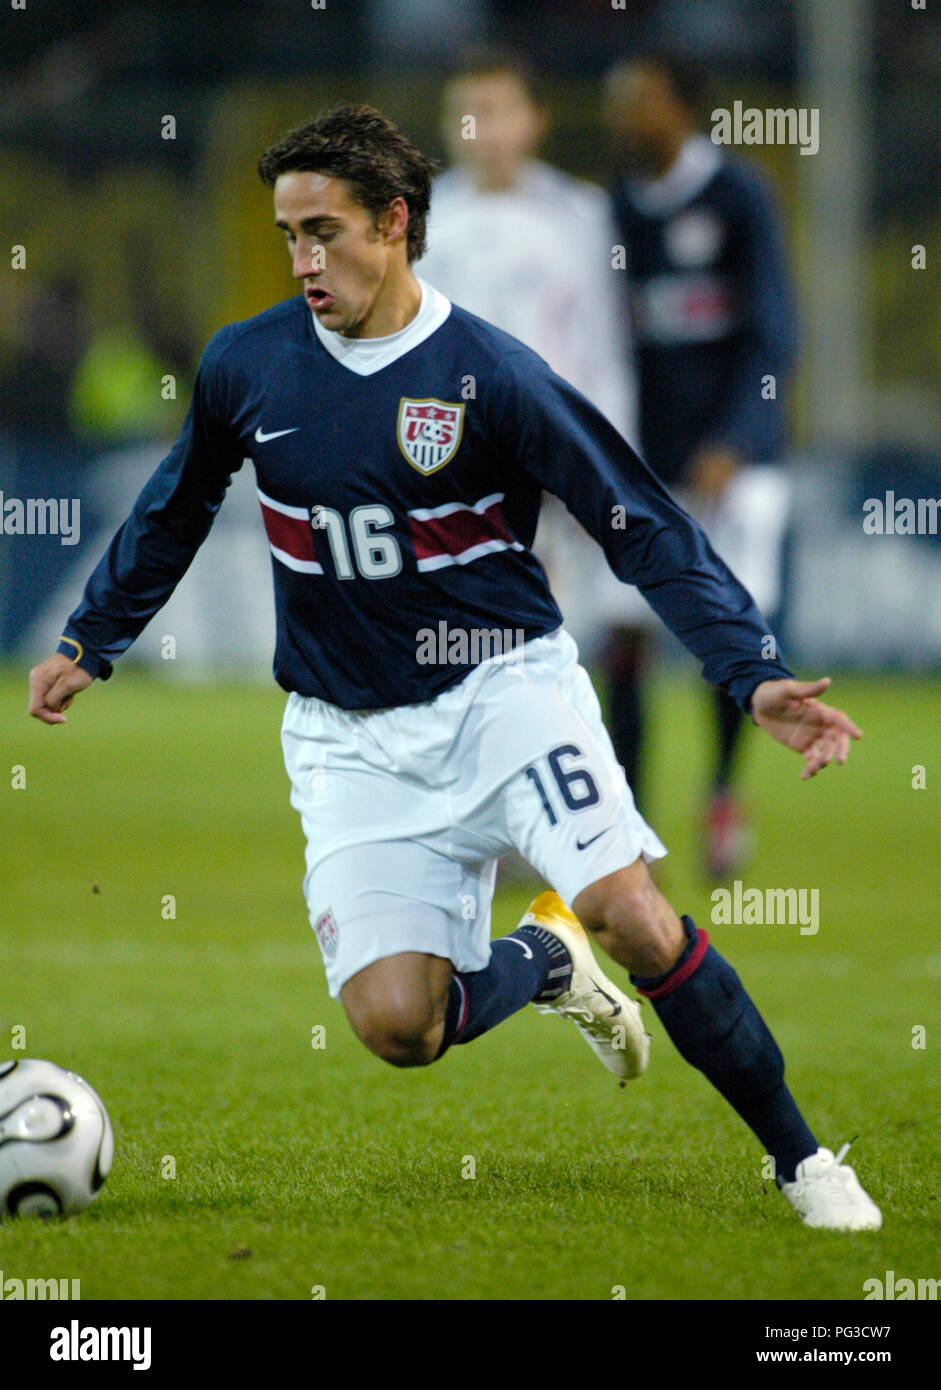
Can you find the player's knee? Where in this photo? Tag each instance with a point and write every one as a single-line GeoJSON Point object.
{"type": "Point", "coordinates": [396, 1008]}
{"type": "Point", "coordinates": [403, 1037]}
{"type": "Point", "coordinates": [402, 1049]}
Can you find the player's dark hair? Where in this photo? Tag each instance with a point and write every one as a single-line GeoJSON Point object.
{"type": "Point", "coordinates": [491, 60]}
{"type": "Point", "coordinates": [359, 145]}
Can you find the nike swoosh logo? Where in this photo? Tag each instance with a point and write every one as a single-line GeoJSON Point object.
{"type": "Point", "coordinates": [579, 845]}
{"type": "Point", "coordinates": [516, 942]}
{"type": "Point", "coordinates": [615, 1006]}
{"type": "Point", "coordinates": [261, 438]}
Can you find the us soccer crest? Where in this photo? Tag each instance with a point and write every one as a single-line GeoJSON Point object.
{"type": "Point", "coordinates": [328, 933]}
{"type": "Point", "coordinates": [429, 432]}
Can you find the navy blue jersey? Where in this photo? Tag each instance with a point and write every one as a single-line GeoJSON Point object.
{"type": "Point", "coordinates": [402, 499]}
{"type": "Point", "coordinates": [712, 307]}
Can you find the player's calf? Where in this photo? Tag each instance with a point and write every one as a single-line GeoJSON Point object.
{"type": "Point", "coordinates": [702, 1004]}
{"type": "Point", "coordinates": [632, 920]}
{"type": "Point", "coordinates": [714, 1024]}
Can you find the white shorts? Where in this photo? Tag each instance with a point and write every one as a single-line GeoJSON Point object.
{"type": "Point", "coordinates": [406, 811]}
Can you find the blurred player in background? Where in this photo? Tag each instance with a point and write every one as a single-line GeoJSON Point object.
{"type": "Point", "coordinates": [714, 332]}
{"type": "Point", "coordinates": [528, 248]}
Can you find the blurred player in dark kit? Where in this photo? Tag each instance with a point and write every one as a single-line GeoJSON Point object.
{"type": "Point", "coordinates": [714, 332]}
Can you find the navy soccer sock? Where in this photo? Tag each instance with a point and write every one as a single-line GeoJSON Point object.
{"type": "Point", "coordinates": [528, 964]}
{"type": "Point", "coordinates": [730, 721]}
{"type": "Point", "coordinates": [625, 660]}
{"type": "Point", "coordinates": [715, 1027]}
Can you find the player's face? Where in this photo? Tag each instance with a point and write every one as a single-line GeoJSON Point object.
{"type": "Point", "coordinates": [506, 126]}
{"type": "Point", "coordinates": [343, 258]}
{"type": "Point", "coordinates": [636, 109]}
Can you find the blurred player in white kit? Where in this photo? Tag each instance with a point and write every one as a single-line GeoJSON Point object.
{"type": "Point", "coordinates": [529, 248]}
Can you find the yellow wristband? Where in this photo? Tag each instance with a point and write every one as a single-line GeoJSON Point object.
{"type": "Point", "coordinates": [79, 649]}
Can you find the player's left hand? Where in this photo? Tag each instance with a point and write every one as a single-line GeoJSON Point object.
{"type": "Point", "coordinates": [791, 713]}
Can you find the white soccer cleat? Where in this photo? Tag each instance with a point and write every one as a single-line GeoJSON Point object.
{"type": "Point", "coordinates": [609, 1022]}
{"type": "Point", "coordinates": [827, 1194]}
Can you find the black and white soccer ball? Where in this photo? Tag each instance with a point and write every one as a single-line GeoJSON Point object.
{"type": "Point", "coordinates": [56, 1140]}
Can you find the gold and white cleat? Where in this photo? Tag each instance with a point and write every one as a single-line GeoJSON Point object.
{"type": "Point", "coordinates": [609, 1022]}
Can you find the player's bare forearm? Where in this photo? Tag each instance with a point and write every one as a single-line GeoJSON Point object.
{"type": "Point", "coordinates": [790, 712]}
{"type": "Point", "coordinates": [53, 686]}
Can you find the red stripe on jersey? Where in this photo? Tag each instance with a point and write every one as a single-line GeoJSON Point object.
{"type": "Point", "coordinates": [292, 534]}
{"type": "Point", "coordinates": [458, 531]}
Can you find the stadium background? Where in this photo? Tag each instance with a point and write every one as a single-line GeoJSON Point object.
{"type": "Point", "coordinates": [297, 1168]}
{"type": "Point", "coordinates": [140, 246]}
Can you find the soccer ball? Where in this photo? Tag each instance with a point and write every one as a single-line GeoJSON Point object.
{"type": "Point", "coordinates": [56, 1140]}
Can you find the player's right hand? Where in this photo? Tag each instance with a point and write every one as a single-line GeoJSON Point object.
{"type": "Point", "coordinates": [52, 687]}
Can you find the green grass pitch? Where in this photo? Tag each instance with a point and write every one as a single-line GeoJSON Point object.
{"type": "Point", "coordinates": [338, 1172]}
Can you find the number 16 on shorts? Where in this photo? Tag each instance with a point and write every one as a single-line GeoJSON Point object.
{"type": "Point", "coordinates": [552, 832]}
{"type": "Point", "coordinates": [574, 787]}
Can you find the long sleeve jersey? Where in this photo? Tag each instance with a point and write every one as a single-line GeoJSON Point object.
{"type": "Point", "coordinates": [399, 481]}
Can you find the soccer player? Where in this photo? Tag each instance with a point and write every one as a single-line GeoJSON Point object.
{"type": "Point", "coordinates": [400, 445]}
{"type": "Point", "coordinates": [713, 323]}
{"type": "Point", "coordinates": [523, 244]}
{"type": "Point", "coordinates": [529, 248]}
